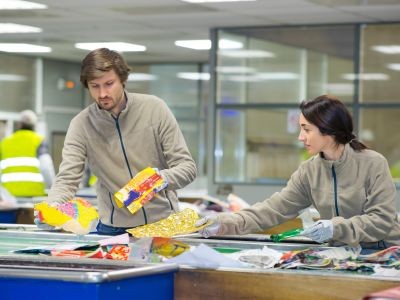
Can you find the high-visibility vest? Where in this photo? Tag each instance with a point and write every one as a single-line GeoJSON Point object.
{"type": "Point", "coordinates": [92, 180]}
{"type": "Point", "coordinates": [20, 167]}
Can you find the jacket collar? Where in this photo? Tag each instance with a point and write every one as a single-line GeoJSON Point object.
{"type": "Point", "coordinates": [341, 162]}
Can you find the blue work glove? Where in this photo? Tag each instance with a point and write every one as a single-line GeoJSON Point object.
{"type": "Point", "coordinates": [165, 181]}
{"type": "Point", "coordinates": [40, 224]}
{"type": "Point", "coordinates": [211, 229]}
{"type": "Point", "coordinates": [320, 231]}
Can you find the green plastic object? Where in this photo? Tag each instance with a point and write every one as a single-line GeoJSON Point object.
{"type": "Point", "coordinates": [287, 234]}
{"type": "Point", "coordinates": [227, 250]}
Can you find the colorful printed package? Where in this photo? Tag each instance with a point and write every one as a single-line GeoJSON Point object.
{"type": "Point", "coordinates": [98, 253]}
{"type": "Point", "coordinates": [168, 247]}
{"type": "Point", "coordinates": [118, 252]}
{"type": "Point", "coordinates": [139, 190]}
{"type": "Point", "coordinates": [76, 215]}
{"type": "Point", "coordinates": [182, 222]}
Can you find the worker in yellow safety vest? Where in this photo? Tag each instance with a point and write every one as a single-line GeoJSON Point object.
{"type": "Point", "coordinates": [25, 164]}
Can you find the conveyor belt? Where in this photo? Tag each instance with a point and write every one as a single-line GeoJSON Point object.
{"type": "Point", "coordinates": [14, 239]}
{"type": "Point", "coordinates": [65, 269]}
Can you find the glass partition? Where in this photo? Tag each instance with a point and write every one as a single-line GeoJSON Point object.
{"type": "Point", "coordinates": [380, 64]}
{"type": "Point", "coordinates": [17, 83]}
{"type": "Point", "coordinates": [258, 87]}
{"type": "Point", "coordinates": [379, 92]}
{"type": "Point", "coordinates": [257, 145]}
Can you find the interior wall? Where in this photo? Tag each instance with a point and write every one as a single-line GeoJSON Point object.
{"type": "Point", "coordinates": [63, 98]}
{"type": "Point", "coordinates": [17, 82]}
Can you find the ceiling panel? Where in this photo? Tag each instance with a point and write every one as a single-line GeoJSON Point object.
{"type": "Point", "coordinates": [158, 23]}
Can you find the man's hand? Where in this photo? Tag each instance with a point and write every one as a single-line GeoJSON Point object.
{"type": "Point", "coordinates": [320, 231]}
{"type": "Point", "coordinates": [40, 224]}
{"type": "Point", "coordinates": [211, 229]}
{"type": "Point", "coordinates": [165, 181]}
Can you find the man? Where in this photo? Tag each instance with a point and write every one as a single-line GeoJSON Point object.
{"type": "Point", "coordinates": [26, 166]}
{"type": "Point", "coordinates": [119, 135]}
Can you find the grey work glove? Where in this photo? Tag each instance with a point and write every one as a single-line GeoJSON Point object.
{"type": "Point", "coordinates": [211, 229]}
{"type": "Point", "coordinates": [321, 231]}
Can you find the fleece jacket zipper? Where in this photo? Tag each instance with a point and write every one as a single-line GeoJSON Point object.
{"type": "Point", "coordinates": [335, 190]}
{"type": "Point", "coordinates": [126, 158]}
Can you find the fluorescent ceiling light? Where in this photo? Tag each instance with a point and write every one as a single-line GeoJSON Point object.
{"type": "Point", "coordinates": [395, 67]}
{"type": "Point", "coordinates": [12, 77]}
{"type": "Point", "coordinates": [246, 53]}
{"type": "Point", "coordinates": [387, 49]}
{"type": "Point", "coordinates": [193, 76]}
{"type": "Point", "coordinates": [194, 44]}
{"type": "Point", "coordinates": [17, 28]}
{"type": "Point", "coordinates": [234, 69]}
{"type": "Point", "coordinates": [228, 44]}
{"type": "Point", "coordinates": [23, 48]}
{"type": "Point", "coordinates": [278, 76]}
{"type": "Point", "coordinates": [116, 46]}
{"type": "Point", "coordinates": [141, 77]}
{"type": "Point", "coordinates": [206, 44]}
{"type": "Point", "coordinates": [210, 1]}
{"type": "Point", "coordinates": [265, 76]}
{"type": "Point", "coordinates": [17, 4]}
{"type": "Point", "coordinates": [366, 76]}
{"type": "Point", "coordinates": [245, 78]}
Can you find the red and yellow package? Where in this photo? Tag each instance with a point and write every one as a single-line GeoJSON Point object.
{"type": "Point", "coordinates": [139, 190]}
{"type": "Point", "coordinates": [118, 252]}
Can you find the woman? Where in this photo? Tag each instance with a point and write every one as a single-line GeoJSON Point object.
{"type": "Point", "coordinates": [347, 183]}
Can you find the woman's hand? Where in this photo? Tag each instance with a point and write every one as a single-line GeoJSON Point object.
{"type": "Point", "coordinates": [210, 230]}
{"type": "Point", "coordinates": [320, 231]}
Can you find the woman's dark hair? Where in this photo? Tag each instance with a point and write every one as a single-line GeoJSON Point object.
{"type": "Point", "coordinates": [332, 118]}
